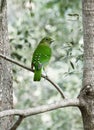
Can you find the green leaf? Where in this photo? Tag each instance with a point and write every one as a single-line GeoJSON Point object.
{"type": "Point", "coordinates": [72, 65]}
{"type": "Point", "coordinates": [74, 15]}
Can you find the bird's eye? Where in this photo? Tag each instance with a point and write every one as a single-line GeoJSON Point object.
{"type": "Point", "coordinates": [46, 39]}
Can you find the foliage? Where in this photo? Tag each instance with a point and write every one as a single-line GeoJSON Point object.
{"type": "Point", "coordinates": [29, 21]}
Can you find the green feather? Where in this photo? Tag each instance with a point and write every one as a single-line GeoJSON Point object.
{"type": "Point", "coordinates": [37, 75]}
{"type": "Point", "coordinates": [41, 57]}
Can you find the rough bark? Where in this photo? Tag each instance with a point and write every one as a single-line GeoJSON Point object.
{"type": "Point", "coordinates": [87, 93]}
{"type": "Point", "coordinates": [6, 101]}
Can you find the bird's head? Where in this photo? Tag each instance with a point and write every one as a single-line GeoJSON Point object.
{"type": "Point", "coordinates": [47, 40]}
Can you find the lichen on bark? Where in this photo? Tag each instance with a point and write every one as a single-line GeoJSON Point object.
{"type": "Point", "coordinates": [6, 101]}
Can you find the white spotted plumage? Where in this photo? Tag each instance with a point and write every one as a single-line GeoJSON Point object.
{"type": "Point", "coordinates": [41, 57]}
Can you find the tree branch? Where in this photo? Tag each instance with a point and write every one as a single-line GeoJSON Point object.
{"type": "Point", "coordinates": [37, 110]}
{"type": "Point", "coordinates": [29, 69]}
{"type": "Point", "coordinates": [17, 123]}
{"type": "Point", "coordinates": [41, 109]}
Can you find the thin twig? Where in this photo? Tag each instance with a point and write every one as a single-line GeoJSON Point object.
{"type": "Point", "coordinates": [17, 123]}
{"type": "Point", "coordinates": [55, 85]}
{"type": "Point", "coordinates": [41, 109]}
{"type": "Point", "coordinates": [27, 68]}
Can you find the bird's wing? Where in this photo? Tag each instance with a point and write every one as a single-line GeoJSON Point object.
{"type": "Point", "coordinates": [41, 56]}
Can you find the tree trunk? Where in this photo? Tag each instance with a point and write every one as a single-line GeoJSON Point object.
{"type": "Point", "coordinates": [87, 93]}
{"type": "Point", "coordinates": [6, 101]}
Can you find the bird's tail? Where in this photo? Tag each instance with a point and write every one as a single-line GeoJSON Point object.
{"type": "Point", "coordinates": [37, 75]}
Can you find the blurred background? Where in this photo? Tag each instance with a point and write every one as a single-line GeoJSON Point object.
{"type": "Point", "coordinates": [28, 22]}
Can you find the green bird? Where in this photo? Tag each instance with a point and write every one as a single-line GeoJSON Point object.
{"type": "Point", "coordinates": [41, 57]}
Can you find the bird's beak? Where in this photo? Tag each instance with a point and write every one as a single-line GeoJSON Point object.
{"type": "Point", "coordinates": [52, 41]}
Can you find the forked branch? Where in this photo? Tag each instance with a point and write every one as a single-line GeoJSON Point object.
{"type": "Point", "coordinates": [41, 109]}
